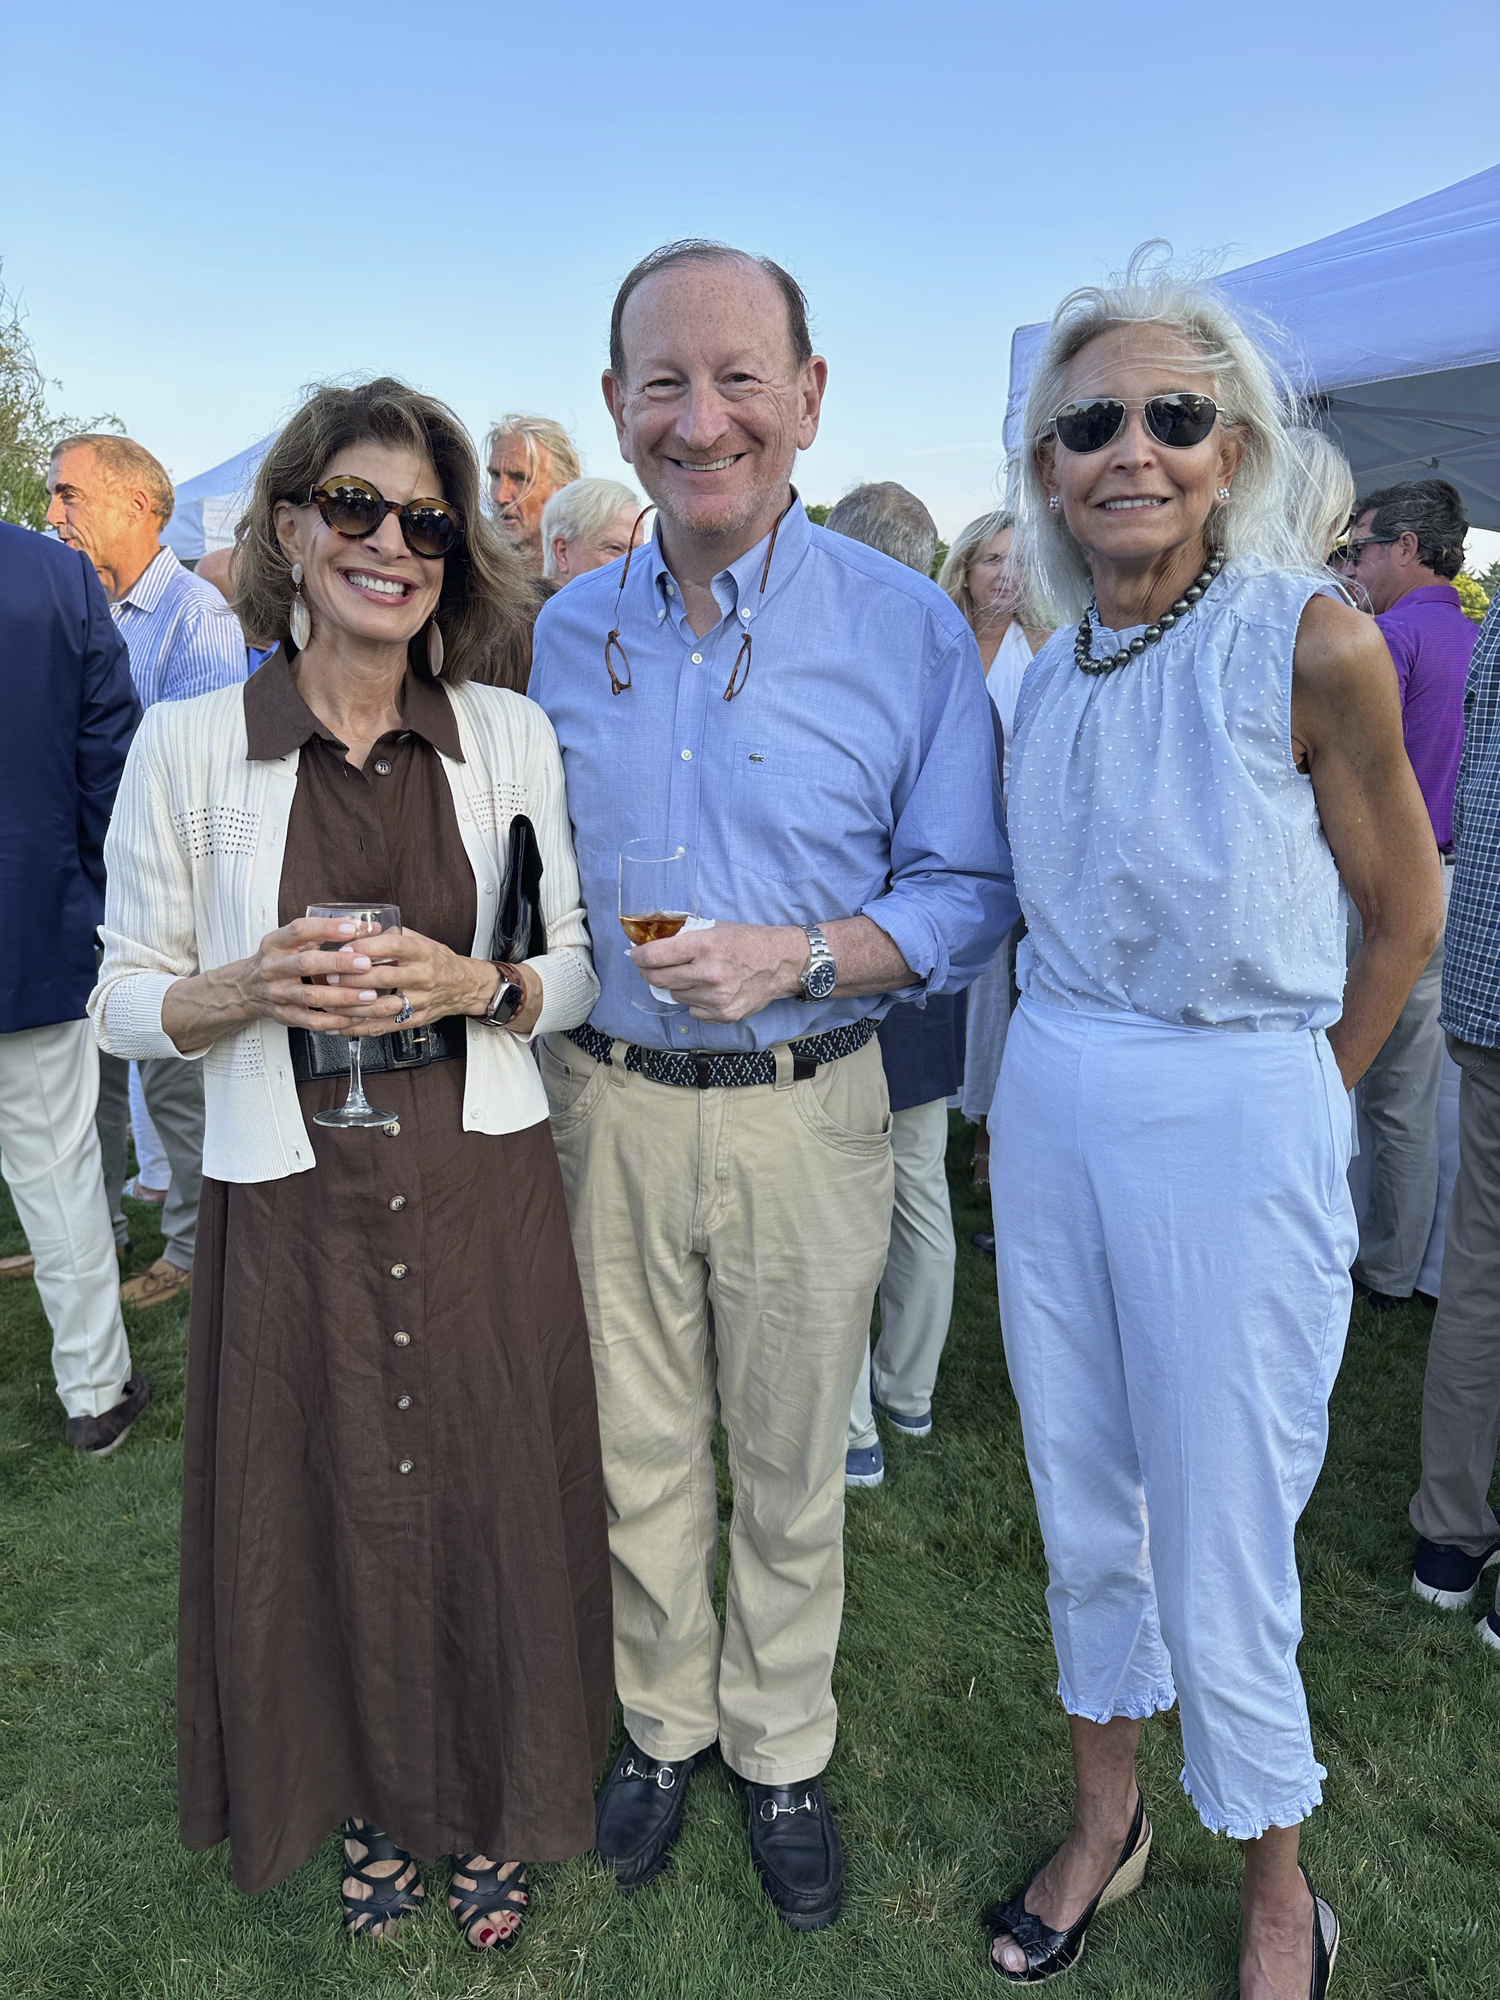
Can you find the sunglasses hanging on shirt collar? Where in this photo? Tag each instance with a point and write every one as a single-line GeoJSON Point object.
{"type": "Point", "coordinates": [614, 651]}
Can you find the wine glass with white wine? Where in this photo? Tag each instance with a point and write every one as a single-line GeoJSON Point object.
{"type": "Point", "coordinates": [370, 920]}
{"type": "Point", "coordinates": [658, 894]}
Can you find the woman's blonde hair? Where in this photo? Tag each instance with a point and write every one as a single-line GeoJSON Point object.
{"type": "Point", "coordinates": [488, 602]}
{"type": "Point", "coordinates": [1254, 404]}
{"type": "Point", "coordinates": [1323, 495]}
{"type": "Point", "coordinates": [954, 574]}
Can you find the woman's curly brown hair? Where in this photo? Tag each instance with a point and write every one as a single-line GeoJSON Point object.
{"type": "Point", "coordinates": [489, 598]}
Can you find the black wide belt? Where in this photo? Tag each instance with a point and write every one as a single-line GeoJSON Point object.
{"type": "Point", "coordinates": [315, 1055]}
{"type": "Point", "coordinates": [727, 1069]}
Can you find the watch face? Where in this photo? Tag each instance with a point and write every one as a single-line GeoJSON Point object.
{"type": "Point", "coordinates": [821, 980]}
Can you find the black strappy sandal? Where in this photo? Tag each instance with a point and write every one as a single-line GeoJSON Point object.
{"type": "Point", "coordinates": [392, 1898]}
{"type": "Point", "coordinates": [1050, 1952]}
{"type": "Point", "coordinates": [495, 1894]}
{"type": "Point", "coordinates": [1325, 1941]}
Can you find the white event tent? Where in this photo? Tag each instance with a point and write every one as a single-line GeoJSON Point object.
{"type": "Point", "coordinates": [1392, 333]}
{"type": "Point", "coordinates": [208, 507]}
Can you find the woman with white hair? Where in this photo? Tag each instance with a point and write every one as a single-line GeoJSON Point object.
{"type": "Point", "coordinates": [1206, 744]}
{"type": "Point", "coordinates": [1322, 491]}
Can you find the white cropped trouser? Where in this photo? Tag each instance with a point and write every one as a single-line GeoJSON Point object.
{"type": "Point", "coordinates": [1174, 1233]}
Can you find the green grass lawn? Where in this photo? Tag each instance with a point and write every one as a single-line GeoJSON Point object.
{"type": "Point", "coordinates": [950, 1776]}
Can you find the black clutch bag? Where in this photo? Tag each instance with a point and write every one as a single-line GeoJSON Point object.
{"type": "Point", "coordinates": [520, 932]}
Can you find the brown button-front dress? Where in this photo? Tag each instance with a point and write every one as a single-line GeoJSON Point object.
{"type": "Point", "coordinates": [395, 1577]}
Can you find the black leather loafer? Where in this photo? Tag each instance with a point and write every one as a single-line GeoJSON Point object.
{"type": "Point", "coordinates": [638, 1814]}
{"type": "Point", "coordinates": [797, 1852]}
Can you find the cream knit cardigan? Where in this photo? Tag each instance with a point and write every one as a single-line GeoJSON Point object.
{"type": "Point", "coordinates": [194, 857]}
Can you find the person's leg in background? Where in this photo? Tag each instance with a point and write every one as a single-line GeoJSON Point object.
{"type": "Point", "coordinates": [49, 1154]}
{"type": "Point", "coordinates": [174, 1097]}
{"type": "Point", "coordinates": [1451, 1510]}
{"type": "Point", "coordinates": [1398, 1096]}
{"type": "Point", "coordinates": [152, 1171]}
{"type": "Point", "coordinates": [916, 1290]}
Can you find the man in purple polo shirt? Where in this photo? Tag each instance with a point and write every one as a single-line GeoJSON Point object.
{"type": "Point", "coordinates": [1407, 542]}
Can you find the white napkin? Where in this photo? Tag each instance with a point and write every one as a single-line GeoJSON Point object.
{"type": "Point", "coordinates": [692, 924]}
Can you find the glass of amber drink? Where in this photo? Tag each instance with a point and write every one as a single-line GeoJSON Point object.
{"type": "Point", "coordinates": [658, 893]}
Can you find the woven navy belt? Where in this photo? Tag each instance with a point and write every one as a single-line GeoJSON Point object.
{"type": "Point", "coordinates": [730, 1069]}
{"type": "Point", "coordinates": [315, 1055]}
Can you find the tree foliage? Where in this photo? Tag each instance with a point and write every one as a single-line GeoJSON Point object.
{"type": "Point", "coordinates": [28, 431]}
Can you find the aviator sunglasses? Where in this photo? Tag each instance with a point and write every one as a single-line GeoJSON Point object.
{"type": "Point", "coordinates": [353, 507]}
{"type": "Point", "coordinates": [1179, 420]}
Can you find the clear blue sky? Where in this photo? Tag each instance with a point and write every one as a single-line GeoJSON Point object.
{"type": "Point", "coordinates": [205, 207]}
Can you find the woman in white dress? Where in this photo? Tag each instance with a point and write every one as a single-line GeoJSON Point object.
{"type": "Point", "coordinates": [976, 574]}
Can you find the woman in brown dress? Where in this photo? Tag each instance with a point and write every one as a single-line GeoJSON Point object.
{"type": "Point", "coordinates": [395, 1607]}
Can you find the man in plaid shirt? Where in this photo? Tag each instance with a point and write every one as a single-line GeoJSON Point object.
{"type": "Point", "coordinates": [1458, 1530]}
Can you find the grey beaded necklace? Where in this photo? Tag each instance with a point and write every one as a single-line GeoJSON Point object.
{"type": "Point", "coordinates": [1083, 656]}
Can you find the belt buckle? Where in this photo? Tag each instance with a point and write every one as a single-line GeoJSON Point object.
{"type": "Point", "coordinates": [704, 1063]}
{"type": "Point", "coordinates": [409, 1047]}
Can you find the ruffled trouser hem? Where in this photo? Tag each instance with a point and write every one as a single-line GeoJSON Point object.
{"type": "Point", "coordinates": [1251, 1825]}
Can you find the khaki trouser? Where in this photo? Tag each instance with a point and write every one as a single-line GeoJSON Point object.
{"type": "Point", "coordinates": [772, 1204]}
{"type": "Point", "coordinates": [1461, 1401]}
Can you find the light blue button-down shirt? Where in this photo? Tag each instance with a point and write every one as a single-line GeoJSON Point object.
{"type": "Point", "coordinates": [856, 772]}
{"type": "Point", "coordinates": [182, 637]}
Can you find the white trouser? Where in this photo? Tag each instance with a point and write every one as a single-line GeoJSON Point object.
{"type": "Point", "coordinates": [1174, 1233]}
{"type": "Point", "coordinates": [916, 1291]}
{"type": "Point", "coordinates": [150, 1154]}
{"type": "Point", "coordinates": [49, 1153]}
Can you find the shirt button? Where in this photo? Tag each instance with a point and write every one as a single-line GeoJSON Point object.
{"type": "Point", "coordinates": [382, 768]}
{"type": "Point", "coordinates": [403, 1402]}
{"type": "Point", "coordinates": [398, 1202]}
{"type": "Point", "coordinates": [398, 1270]}
{"type": "Point", "coordinates": [402, 1339]}
{"type": "Point", "coordinates": [405, 1466]}
{"type": "Point", "coordinates": [687, 756]}
{"type": "Point", "coordinates": [393, 1130]}
{"type": "Point", "coordinates": [744, 613]}
{"type": "Point", "coordinates": [671, 592]}
{"type": "Point", "coordinates": [697, 659]}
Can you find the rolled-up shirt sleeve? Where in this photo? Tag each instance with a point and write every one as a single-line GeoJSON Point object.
{"type": "Point", "coordinates": [951, 898]}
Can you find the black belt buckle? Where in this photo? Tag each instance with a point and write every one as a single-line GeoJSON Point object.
{"type": "Point", "coordinates": [409, 1048]}
{"type": "Point", "coordinates": [704, 1063]}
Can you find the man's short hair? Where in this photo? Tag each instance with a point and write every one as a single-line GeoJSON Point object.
{"type": "Point", "coordinates": [582, 511]}
{"type": "Point", "coordinates": [126, 463]}
{"type": "Point", "coordinates": [888, 518]}
{"type": "Point", "coordinates": [1431, 510]}
{"type": "Point", "coordinates": [539, 434]}
{"type": "Point", "coordinates": [702, 250]}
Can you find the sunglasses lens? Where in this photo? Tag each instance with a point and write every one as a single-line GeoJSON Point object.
{"type": "Point", "coordinates": [1181, 421]}
{"type": "Point", "coordinates": [430, 531]}
{"type": "Point", "coordinates": [1084, 427]}
{"type": "Point", "coordinates": [352, 508]}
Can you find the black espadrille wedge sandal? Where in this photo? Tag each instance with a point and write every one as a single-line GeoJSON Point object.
{"type": "Point", "coordinates": [392, 1898]}
{"type": "Point", "coordinates": [1049, 1952]}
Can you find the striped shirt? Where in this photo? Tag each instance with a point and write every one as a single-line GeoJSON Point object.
{"type": "Point", "coordinates": [1471, 944]}
{"type": "Point", "coordinates": [182, 637]}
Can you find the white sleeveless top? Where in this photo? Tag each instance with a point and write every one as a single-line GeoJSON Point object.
{"type": "Point", "coordinates": [1169, 855]}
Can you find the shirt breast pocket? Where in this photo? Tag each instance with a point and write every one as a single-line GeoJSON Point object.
{"type": "Point", "coordinates": [776, 798]}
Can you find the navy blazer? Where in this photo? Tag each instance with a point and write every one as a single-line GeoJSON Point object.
{"type": "Point", "coordinates": [69, 710]}
{"type": "Point", "coordinates": [923, 1049]}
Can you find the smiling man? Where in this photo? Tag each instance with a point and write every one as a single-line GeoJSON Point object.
{"type": "Point", "coordinates": [807, 719]}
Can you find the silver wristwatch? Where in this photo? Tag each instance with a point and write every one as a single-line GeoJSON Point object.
{"type": "Point", "coordinates": [822, 974]}
{"type": "Point", "coordinates": [510, 998]}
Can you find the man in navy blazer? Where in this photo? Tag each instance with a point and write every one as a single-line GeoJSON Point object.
{"type": "Point", "coordinates": [70, 710]}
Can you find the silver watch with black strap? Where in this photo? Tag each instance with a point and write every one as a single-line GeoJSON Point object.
{"type": "Point", "coordinates": [821, 976]}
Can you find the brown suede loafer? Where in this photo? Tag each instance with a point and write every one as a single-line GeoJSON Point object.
{"type": "Point", "coordinates": [163, 1281]}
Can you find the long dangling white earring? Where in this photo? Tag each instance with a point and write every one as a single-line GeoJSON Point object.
{"type": "Point", "coordinates": [300, 617]}
{"type": "Point", "coordinates": [434, 648]}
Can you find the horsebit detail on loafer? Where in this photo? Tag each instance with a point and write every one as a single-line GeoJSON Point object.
{"type": "Point", "coordinates": [663, 1777]}
{"type": "Point", "coordinates": [771, 1812]}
